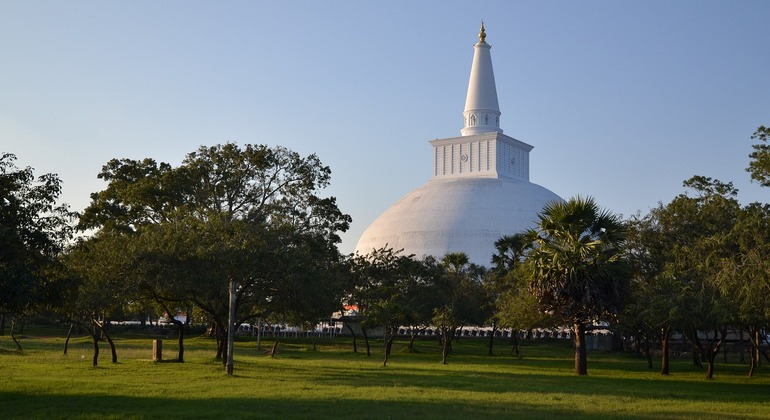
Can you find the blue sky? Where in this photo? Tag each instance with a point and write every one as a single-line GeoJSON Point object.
{"type": "Point", "coordinates": [622, 100]}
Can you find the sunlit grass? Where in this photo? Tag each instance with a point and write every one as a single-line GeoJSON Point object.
{"type": "Point", "coordinates": [334, 382]}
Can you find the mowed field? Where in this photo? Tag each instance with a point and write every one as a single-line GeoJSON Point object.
{"type": "Point", "coordinates": [334, 382]}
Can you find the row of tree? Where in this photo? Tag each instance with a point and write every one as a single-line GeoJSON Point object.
{"type": "Point", "coordinates": [240, 234]}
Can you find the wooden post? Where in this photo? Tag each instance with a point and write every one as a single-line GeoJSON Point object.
{"type": "Point", "coordinates": [231, 330]}
{"type": "Point", "coordinates": [157, 350]}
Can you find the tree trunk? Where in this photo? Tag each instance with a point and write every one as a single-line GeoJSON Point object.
{"type": "Point", "coordinates": [712, 351]}
{"type": "Point", "coordinates": [648, 351]}
{"type": "Point", "coordinates": [446, 343]}
{"type": "Point", "coordinates": [16, 341]}
{"type": "Point", "coordinates": [274, 349]}
{"type": "Point", "coordinates": [231, 327]}
{"type": "Point", "coordinates": [180, 330]}
{"type": "Point", "coordinates": [219, 333]}
{"type": "Point", "coordinates": [752, 363]}
{"type": "Point", "coordinates": [492, 338]}
{"type": "Point", "coordinates": [389, 335]}
{"type": "Point", "coordinates": [515, 342]}
{"type": "Point", "coordinates": [355, 345]}
{"type": "Point", "coordinates": [366, 341]}
{"type": "Point", "coordinates": [69, 334]}
{"type": "Point", "coordinates": [581, 363]}
{"type": "Point", "coordinates": [104, 334]}
{"type": "Point", "coordinates": [95, 338]}
{"type": "Point", "coordinates": [754, 355]}
{"type": "Point", "coordinates": [2, 324]}
{"type": "Point", "coordinates": [412, 336]}
{"type": "Point", "coordinates": [664, 357]}
{"type": "Point", "coordinates": [188, 318]}
{"type": "Point", "coordinates": [697, 348]}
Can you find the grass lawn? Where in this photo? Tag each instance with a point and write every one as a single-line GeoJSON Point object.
{"type": "Point", "coordinates": [334, 382]}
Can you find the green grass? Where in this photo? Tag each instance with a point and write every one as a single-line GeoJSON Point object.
{"type": "Point", "coordinates": [333, 382]}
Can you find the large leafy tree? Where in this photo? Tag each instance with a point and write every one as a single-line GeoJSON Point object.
{"type": "Point", "coordinates": [250, 215]}
{"type": "Point", "coordinates": [759, 167]}
{"type": "Point", "coordinates": [34, 229]}
{"type": "Point", "coordinates": [743, 276]}
{"type": "Point", "coordinates": [577, 266]}
{"type": "Point", "coordinates": [652, 309]}
{"type": "Point", "coordinates": [392, 290]}
{"type": "Point", "coordinates": [701, 225]}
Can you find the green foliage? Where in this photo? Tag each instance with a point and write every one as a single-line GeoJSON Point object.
{"type": "Point", "coordinates": [577, 266]}
{"type": "Point", "coordinates": [33, 232]}
{"type": "Point", "coordinates": [759, 167]}
{"type": "Point", "coordinates": [515, 306]}
{"type": "Point", "coordinates": [179, 235]}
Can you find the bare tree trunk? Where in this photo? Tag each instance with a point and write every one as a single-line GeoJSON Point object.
{"type": "Point", "coordinates": [180, 339]}
{"type": "Point", "coordinates": [16, 341]}
{"type": "Point", "coordinates": [697, 348]}
{"type": "Point", "coordinates": [353, 333]}
{"type": "Point", "coordinates": [95, 338]}
{"type": "Point", "coordinates": [664, 358]}
{"type": "Point", "coordinates": [581, 363]}
{"type": "Point", "coordinates": [104, 334]}
{"type": "Point", "coordinates": [69, 334]}
{"type": "Point", "coordinates": [492, 338]}
{"type": "Point", "coordinates": [366, 340]}
{"type": "Point", "coordinates": [389, 335]}
{"type": "Point", "coordinates": [2, 324]}
{"type": "Point", "coordinates": [516, 343]}
{"type": "Point", "coordinates": [446, 343]}
{"type": "Point", "coordinates": [712, 351]}
{"type": "Point", "coordinates": [754, 354]}
{"type": "Point", "coordinates": [648, 351]}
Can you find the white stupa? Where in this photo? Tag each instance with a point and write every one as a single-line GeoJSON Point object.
{"type": "Point", "coordinates": [480, 189]}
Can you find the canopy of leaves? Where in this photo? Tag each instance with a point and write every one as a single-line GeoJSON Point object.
{"type": "Point", "coordinates": [577, 266]}
{"type": "Point", "coordinates": [759, 167]}
{"type": "Point", "coordinates": [250, 214]}
{"type": "Point", "coordinates": [33, 231]}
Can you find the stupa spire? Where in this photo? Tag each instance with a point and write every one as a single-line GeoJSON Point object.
{"type": "Point", "coordinates": [482, 34]}
{"type": "Point", "coordinates": [482, 111]}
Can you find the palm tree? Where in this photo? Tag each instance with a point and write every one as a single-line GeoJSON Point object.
{"type": "Point", "coordinates": [511, 249]}
{"type": "Point", "coordinates": [577, 266]}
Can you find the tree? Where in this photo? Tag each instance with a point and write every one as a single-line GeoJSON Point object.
{"type": "Point", "coordinates": [652, 309]}
{"type": "Point", "coordinates": [702, 226]}
{"type": "Point", "coordinates": [759, 167]}
{"type": "Point", "coordinates": [514, 305]}
{"type": "Point", "coordinates": [391, 291]}
{"type": "Point", "coordinates": [744, 276]}
{"type": "Point", "coordinates": [227, 214]}
{"type": "Point", "coordinates": [463, 299]}
{"type": "Point", "coordinates": [577, 267]}
{"type": "Point", "coordinates": [33, 232]}
{"type": "Point", "coordinates": [100, 285]}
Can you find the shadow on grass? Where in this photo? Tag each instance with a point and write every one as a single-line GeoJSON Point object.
{"type": "Point", "coordinates": [21, 406]}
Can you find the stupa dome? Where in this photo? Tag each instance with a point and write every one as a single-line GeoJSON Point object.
{"type": "Point", "coordinates": [457, 215]}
